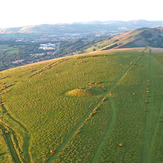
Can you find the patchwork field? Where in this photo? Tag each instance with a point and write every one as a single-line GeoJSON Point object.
{"type": "Point", "coordinates": [97, 107]}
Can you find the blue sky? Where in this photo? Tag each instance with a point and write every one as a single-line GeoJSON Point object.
{"type": "Point", "coordinates": [16, 13]}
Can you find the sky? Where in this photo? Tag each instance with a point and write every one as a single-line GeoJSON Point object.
{"type": "Point", "coordinates": [15, 13]}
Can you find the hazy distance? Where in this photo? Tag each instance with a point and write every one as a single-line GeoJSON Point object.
{"type": "Point", "coordinates": [22, 13]}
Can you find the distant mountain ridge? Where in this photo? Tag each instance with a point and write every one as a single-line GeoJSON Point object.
{"type": "Point", "coordinates": [83, 27]}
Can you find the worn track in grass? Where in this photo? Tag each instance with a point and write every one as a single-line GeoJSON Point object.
{"type": "Point", "coordinates": [156, 129]}
{"type": "Point", "coordinates": [150, 134]}
{"type": "Point", "coordinates": [8, 138]}
{"type": "Point", "coordinates": [153, 139]}
{"type": "Point", "coordinates": [81, 123]}
{"type": "Point", "coordinates": [10, 145]}
{"type": "Point", "coordinates": [108, 133]}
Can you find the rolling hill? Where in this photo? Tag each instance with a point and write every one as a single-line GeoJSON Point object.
{"type": "Point", "coordinates": [98, 107]}
{"type": "Point", "coordinates": [87, 27]}
{"type": "Point", "coordinates": [25, 49]}
{"type": "Point", "coordinates": [141, 37]}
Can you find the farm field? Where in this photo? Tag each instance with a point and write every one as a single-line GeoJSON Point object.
{"type": "Point", "coordinates": [96, 107]}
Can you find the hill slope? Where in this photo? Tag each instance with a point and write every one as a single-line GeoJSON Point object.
{"type": "Point", "coordinates": [141, 37]}
{"type": "Point", "coordinates": [14, 54]}
{"type": "Point", "coordinates": [98, 107]}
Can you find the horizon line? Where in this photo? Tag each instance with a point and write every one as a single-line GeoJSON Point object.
{"type": "Point", "coordinates": [81, 22]}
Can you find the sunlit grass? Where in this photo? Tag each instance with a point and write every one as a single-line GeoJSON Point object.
{"type": "Point", "coordinates": [66, 104]}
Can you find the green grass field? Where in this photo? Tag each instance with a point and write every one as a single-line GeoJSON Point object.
{"type": "Point", "coordinates": [80, 108]}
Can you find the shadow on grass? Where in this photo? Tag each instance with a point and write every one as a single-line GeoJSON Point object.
{"type": "Point", "coordinates": [4, 153]}
{"type": "Point", "coordinates": [26, 138]}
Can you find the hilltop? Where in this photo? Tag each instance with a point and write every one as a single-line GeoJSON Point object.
{"type": "Point", "coordinates": [97, 107]}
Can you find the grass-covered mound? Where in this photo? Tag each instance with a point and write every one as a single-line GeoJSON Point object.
{"type": "Point", "coordinates": [85, 92]}
{"type": "Point", "coordinates": [79, 92]}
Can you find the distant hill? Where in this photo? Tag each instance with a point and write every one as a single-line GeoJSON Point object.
{"type": "Point", "coordinates": [141, 37]}
{"type": "Point", "coordinates": [87, 27]}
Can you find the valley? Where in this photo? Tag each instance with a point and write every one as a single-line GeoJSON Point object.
{"type": "Point", "coordinates": [21, 46]}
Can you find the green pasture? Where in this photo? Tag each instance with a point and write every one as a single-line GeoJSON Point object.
{"type": "Point", "coordinates": [81, 108]}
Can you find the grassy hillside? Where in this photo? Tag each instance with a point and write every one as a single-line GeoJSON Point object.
{"type": "Point", "coordinates": [97, 107]}
{"type": "Point", "coordinates": [141, 37]}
